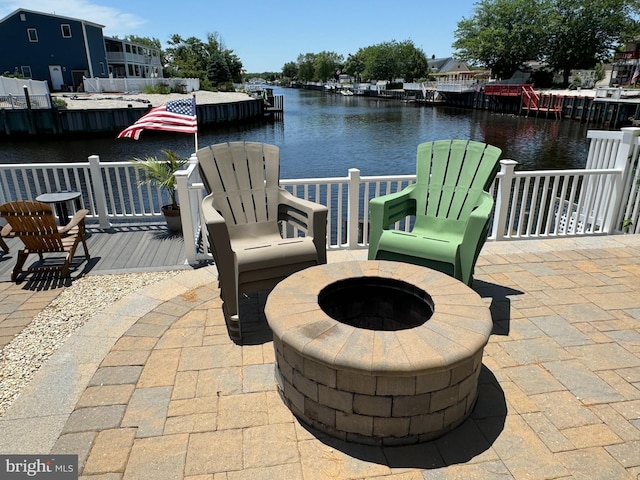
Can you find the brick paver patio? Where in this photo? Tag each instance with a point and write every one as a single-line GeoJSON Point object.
{"type": "Point", "coordinates": [153, 388]}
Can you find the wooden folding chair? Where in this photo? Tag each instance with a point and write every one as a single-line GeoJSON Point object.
{"type": "Point", "coordinates": [35, 225]}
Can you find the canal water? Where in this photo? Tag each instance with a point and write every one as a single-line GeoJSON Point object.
{"type": "Point", "coordinates": [323, 135]}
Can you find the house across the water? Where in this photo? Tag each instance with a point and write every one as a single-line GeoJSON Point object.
{"type": "Point", "coordinates": [64, 50]}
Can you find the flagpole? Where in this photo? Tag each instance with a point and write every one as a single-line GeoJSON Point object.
{"type": "Point", "coordinates": [195, 134]}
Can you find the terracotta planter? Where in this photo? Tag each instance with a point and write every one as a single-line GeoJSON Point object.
{"type": "Point", "coordinates": [172, 216]}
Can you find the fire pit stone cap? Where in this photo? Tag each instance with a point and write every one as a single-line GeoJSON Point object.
{"type": "Point", "coordinates": [460, 325]}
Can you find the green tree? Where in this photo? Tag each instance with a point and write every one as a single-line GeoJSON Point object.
{"type": "Point", "coordinates": [599, 72]}
{"type": "Point", "coordinates": [566, 34]}
{"type": "Point", "coordinates": [234, 64]}
{"type": "Point", "coordinates": [502, 34]}
{"type": "Point", "coordinates": [187, 57]}
{"type": "Point", "coordinates": [582, 33]}
{"type": "Point", "coordinates": [413, 63]}
{"type": "Point", "coordinates": [148, 41]}
{"type": "Point", "coordinates": [381, 62]}
{"type": "Point", "coordinates": [306, 69]}
{"type": "Point", "coordinates": [290, 70]}
{"type": "Point", "coordinates": [355, 65]}
{"type": "Point", "coordinates": [384, 61]}
{"type": "Point", "coordinates": [192, 57]}
{"type": "Point", "coordinates": [217, 70]}
{"type": "Point", "coordinates": [326, 64]}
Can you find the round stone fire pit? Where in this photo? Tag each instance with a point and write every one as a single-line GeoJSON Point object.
{"type": "Point", "coordinates": [378, 352]}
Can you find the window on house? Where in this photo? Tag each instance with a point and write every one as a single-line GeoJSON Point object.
{"type": "Point", "coordinates": [66, 30]}
{"type": "Point", "coordinates": [33, 34]}
{"type": "Point", "coordinates": [23, 17]}
{"type": "Point", "coordinates": [102, 68]}
{"type": "Point", "coordinates": [26, 71]}
{"type": "Point", "coordinates": [127, 48]}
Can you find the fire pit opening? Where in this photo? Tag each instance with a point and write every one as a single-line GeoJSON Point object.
{"type": "Point", "coordinates": [376, 303]}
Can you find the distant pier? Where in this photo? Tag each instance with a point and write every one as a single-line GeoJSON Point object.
{"type": "Point", "coordinates": [604, 108]}
{"type": "Point", "coordinates": [607, 108]}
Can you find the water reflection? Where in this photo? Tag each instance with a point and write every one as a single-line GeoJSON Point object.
{"type": "Point", "coordinates": [324, 135]}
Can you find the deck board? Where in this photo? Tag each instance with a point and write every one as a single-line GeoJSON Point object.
{"type": "Point", "coordinates": [121, 249]}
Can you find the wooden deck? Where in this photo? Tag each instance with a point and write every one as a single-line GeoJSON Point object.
{"type": "Point", "coordinates": [121, 249]}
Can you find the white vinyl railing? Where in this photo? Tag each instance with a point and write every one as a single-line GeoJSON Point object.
{"type": "Point", "coordinates": [551, 203]}
{"type": "Point", "coordinates": [457, 86]}
{"type": "Point", "coordinates": [111, 191]}
{"type": "Point", "coordinates": [603, 198]}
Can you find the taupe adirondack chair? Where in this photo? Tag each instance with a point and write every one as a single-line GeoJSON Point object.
{"type": "Point", "coordinates": [35, 225]}
{"type": "Point", "coordinates": [451, 207]}
{"type": "Point", "coordinates": [245, 212]}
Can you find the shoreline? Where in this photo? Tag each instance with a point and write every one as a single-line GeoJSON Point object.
{"type": "Point", "coordinates": [80, 101]}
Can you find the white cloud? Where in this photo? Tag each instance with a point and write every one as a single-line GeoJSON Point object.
{"type": "Point", "coordinates": [116, 23]}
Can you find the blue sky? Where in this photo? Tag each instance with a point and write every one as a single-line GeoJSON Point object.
{"type": "Point", "coordinates": [266, 35]}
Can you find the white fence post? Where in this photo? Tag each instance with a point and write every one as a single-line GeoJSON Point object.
{"type": "Point", "coordinates": [186, 213]}
{"type": "Point", "coordinates": [624, 164]}
{"type": "Point", "coordinates": [501, 211]}
{"type": "Point", "coordinates": [353, 208]}
{"type": "Point", "coordinates": [98, 190]}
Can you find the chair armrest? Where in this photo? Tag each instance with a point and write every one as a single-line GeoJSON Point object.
{"type": "Point", "coordinates": [219, 241]}
{"type": "Point", "coordinates": [476, 230]}
{"type": "Point", "coordinates": [76, 220]}
{"type": "Point", "coordinates": [310, 217]}
{"type": "Point", "coordinates": [6, 231]}
{"type": "Point", "coordinates": [388, 209]}
{"type": "Point", "coordinates": [385, 211]}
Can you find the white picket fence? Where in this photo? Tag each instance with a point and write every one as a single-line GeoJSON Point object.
{"type": "Point", "coordinates": [22, 93]}
{"type": "Point", "coordinates": [601, 199]}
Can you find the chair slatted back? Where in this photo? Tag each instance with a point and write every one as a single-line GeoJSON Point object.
{"type": "Point", "coordinates": [451, 175]}
{"type": "Point", "coordinates": [244, 178]}
{"type": "Point", "coordinates": [35, 225]}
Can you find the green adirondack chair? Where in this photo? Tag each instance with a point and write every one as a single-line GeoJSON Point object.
{"type": "Point", "coordinates": [451, 206]}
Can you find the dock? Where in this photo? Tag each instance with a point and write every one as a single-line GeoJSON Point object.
{"type": "Point", "coordinates": [604, 108]}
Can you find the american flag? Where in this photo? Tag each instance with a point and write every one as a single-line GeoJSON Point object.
{"type": "Point", "coordinates": [173, 116]}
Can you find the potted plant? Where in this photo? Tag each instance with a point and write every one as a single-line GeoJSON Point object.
{"type": "Point", "coordinates": [160, 172]}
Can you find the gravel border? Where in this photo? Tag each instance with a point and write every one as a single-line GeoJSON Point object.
{"type": "Point", "coordinates": [21, 358]}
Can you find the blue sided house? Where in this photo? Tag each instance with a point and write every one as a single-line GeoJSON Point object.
{"type": "Point", "coordinates": [60, 50]}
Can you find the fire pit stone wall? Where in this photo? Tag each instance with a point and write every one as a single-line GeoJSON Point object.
{"type": "Point", "coordinates": [411, 382]}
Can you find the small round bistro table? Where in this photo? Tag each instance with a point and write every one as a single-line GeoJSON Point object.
{"type": "Point", "coordinates": [60, 202]}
